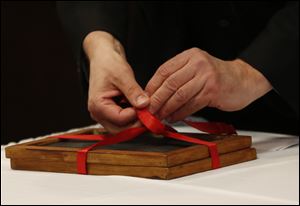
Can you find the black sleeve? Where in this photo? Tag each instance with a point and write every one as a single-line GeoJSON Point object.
{"type": "Point", "coordinates": [79, 18]}
{"type": "Point", "coordinates": [82, 17]}
{"type": "Point", "coordinates": [275, 53]}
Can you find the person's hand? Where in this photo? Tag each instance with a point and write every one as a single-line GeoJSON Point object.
{"type": "Point", "coordinates": [111, 76]}
{"type": "Point", "coordinates": [194, 79]}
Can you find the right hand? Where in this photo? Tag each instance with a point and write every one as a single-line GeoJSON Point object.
{"type": "Point", "coordinates": [111, 76]}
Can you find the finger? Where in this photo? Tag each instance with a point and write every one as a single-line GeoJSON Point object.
{"type": "Point", "coordinates": [132, 90]}
{"type": "Point", "coordinates": [195, 104]}
{"type": "Point", "coordinates": [104, 108]}
{"type": "Point", "coordinates": [112, 112]}
{"type": "Point", "coordinates": [165, 70]}
{"type": "Point", "coordinates": [170, 86]}
{"type": "Point", "coordinates": [183, 95]}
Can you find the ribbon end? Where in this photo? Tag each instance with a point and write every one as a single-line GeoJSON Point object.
{"type": "Point", "coordinates": [81, 162]}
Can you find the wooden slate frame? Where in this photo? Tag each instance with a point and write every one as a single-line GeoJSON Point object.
{"type": "Point", "coordinates": [39, 156]}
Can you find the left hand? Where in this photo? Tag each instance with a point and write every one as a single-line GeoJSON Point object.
{"type": "Point", "coordinates": [194, 79]}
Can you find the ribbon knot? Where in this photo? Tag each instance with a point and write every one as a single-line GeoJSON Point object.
{"type": "Point", "coordinates": [151, 122]}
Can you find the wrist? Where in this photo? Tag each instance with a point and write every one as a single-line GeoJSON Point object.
{"type": "Point", "coordinates": [98, 43]}
{"type": "Point", "coordinates": [257, 84]}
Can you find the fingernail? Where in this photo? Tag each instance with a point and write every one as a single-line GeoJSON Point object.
{"type": "Point", "coordinates": [142, 99]}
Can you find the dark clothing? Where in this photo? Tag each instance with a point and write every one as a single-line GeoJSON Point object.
{"type": "Point", "coordinates": [264, 34]}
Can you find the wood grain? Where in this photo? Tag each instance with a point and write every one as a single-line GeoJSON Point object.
{"type": "Point", "coordinates": [136, 171]}
{"type": "Point", "coordinates": [161, 158]}
{"type": "Point", "coordinates": [39, 150]}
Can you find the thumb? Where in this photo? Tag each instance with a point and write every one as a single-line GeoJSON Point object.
{"type": "Point", "coordinates": [133, 92]}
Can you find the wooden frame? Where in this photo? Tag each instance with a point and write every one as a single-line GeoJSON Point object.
{"type": "Point", "coordinates": [174, 160]}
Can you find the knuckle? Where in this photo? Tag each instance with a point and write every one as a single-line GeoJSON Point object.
{"type": "Point", "coordinates": [163, 71]}
{"type": "Point", "coordinates": [194, 50]}
{"type": "Point", "coordinates": [155, 104]}
{"type": "Point", "coordinates": [212, 89]}
{"type": "Point", "coordinates": [200, 63]}
{"type": "Point", "coordinates": [120, 75]}
{"type": "Point", "coordinates": [212, 75]}
{"type": "Point", "coordinates": [130, 89]}
{"type": "Point", "coordinates": [171, 84]}
{"type": "Point", "coordinates": [91, 106]}
{"type": "Point", "coordinates": [152, 85]}
{"type": "Point", "coordinates": [180, 95]}
{"type": "Point", "coordinates": [94, 104]}
{"type": "Point", "coordinates": [155, 100]}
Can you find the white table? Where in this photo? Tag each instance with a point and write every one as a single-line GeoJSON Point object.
{"type": "Point", "coordinates": [271, 179]}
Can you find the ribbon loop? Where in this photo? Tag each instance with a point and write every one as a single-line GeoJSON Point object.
{"type": "Point", "coordinates": [151, 122]}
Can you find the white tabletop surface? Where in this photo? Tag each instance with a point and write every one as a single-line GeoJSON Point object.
{"type": "Point", "coordinates": [271, 179]}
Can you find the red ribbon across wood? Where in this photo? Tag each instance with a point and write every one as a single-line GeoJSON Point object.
{"type": "Point", "coordinates": [154, 125]}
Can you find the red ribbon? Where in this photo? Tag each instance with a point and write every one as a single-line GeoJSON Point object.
{"type": "Point", "coordinates": [154, 125]}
